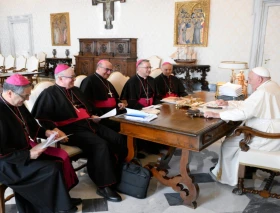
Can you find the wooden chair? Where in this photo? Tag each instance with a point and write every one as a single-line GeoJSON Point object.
{"type": "Point", "coordinates": [155, 62]}
{"type": "Point", "coordinates": [74, 153]}
{"type": "Point", "coordinates": [155, 73]}
{"type": "Point", "coordinates": [32, 66]}
{"type": "Point", "coordinates": [263, 160]}
{"type": "Point", "coordinates": [20, 64]}
{"type": "Point", "coordinates": [4, 199]}
{"type": "Point", "coordinates": [9, 64]}
{"type": "Point", "coordinates": [2, 61]}
{"type": "Point", "coordinates": [78, 80]}
{"type": "Point", "coordinates": [74, 61]}
{"type": "Point", "coordinates": [42, 61]}
{"type": "Point", "coordinates": [118, 80]}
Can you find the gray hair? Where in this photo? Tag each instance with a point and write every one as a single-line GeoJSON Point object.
{"type": "Point", "coordinates": [144, 60]}
{"type": "Point", "coordinates": [14, 88]}
{"type": "Point", "coordinates": [56, 76]}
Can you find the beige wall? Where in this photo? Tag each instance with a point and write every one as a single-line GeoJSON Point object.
{"type": "Point", "coordinates": [151, 21]}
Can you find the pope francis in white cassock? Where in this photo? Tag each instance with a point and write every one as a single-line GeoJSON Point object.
{"type": "Point", "coordinates": [261, 111]}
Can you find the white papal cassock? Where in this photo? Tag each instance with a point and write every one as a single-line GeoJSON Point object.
{"type": "Point", "coordinates": [260, 111]}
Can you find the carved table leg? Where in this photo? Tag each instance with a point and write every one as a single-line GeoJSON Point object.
{"type": "Point", "coordinates": [131, 149]}
{"type": "Point", "coordinates": [165, 158]}
{"type": "Point", "coordinates": [189, 200]}
{"type": "Point", "coordinates": [188, 194]}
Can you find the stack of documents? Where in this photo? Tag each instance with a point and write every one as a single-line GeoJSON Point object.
{"type": "Point", "coordinates": [230, 89]}
{"type": "Point", "coordinates": [136, 115]}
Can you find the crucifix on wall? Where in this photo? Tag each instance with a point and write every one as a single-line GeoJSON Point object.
{"type": "Point", "coordinates": [108, 11]}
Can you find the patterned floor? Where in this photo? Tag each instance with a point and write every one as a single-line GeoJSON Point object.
{"type": "Point", "coordinates": [213, 197]}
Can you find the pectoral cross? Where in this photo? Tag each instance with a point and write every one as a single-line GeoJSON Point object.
{"type": "Point", "coordinates": [169, 92]}
{"type": "Point", "coordinates": [108, 11]}
{"type": "Point", "coordinates": [110, 93]}
{"type": "Point", "coordinates": [147, 100]}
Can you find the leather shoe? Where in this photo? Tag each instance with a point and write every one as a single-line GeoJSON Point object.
{"type": "Point", "coordinates": [109, 194]}
{"type": "Point", "coordinates": [76, 201]}
{"type": "Point", "coordinates": [73, 209]}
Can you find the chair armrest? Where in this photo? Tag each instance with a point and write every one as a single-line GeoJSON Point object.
{"type": "Point", "coordinates": [249, 133]}
{"type": "Point", "coordinates": [21, 70]}
{"type": "Point", "coordinates": [11, 68]}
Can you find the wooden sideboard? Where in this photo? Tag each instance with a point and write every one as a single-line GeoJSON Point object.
{"type": "Point", "coordinates": [184, 72]}
{"type": "Point", "coordinates": [121, 52]}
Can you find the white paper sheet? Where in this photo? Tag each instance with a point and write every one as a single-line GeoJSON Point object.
{"type": "Point", "coordinates": [136, 115]}
{"type": "Point", "coordinates": [49, 141]}
{"type": "Point", "coordinates": [111, 113]}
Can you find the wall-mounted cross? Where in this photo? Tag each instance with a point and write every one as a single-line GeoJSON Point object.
{"type": "Point", "coordinates": [108, 11]}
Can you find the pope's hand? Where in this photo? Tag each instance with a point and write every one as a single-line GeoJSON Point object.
{"type": "Point", "coordinates": [209, 114]}
{"type": "Point", "coordinates": [221, 102]}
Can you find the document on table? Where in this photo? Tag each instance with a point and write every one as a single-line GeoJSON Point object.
{"type": "Point", "coordinates": [136, 115]}
{"type": "Point", "coordinates": [50, 140]}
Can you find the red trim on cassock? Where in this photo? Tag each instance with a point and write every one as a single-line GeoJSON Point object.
{"type": "Point", "coordinates": [110, 102]}
{"type": "Point", "coordinates": [82, 114]}
{"type": "Point", "coordinates": [143, 101]}
{"type": "Point", "coordinates": [171, 95]}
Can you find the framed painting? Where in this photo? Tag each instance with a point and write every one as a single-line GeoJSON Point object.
{"type": "Point", "coordinates": [191, 23]}
{"type": "Point", "coordinates": [60, 29]}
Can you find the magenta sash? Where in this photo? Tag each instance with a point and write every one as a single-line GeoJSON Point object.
{"type": "Point", "coordinates": [70, 176]}
{"type": "Point", "coordinates": [171, 95]}
{"type": "Point", "coordinates": [82, 114]}
{"type": "Point", "coordinates": [110, 102]}
{"type": "Point", "coordinates": [143, 101]}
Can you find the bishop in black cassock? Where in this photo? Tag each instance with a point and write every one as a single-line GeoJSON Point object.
{"type": "Point", "coordinates": [102, 94]}
{"type": "Point", "coordinates": [140, 90]}
{"type": "Point", "coordinates": [168, 85]}
{"type": "Point", "coordinates": [65, 107]}
{"type": "Point", "coordinates": [27, 171]}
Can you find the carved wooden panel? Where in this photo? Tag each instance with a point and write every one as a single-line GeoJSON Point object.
{"type": "Point", "coordinates": [121, 52]}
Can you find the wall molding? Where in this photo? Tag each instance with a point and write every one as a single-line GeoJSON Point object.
{"type": "Point", "coordinates": [258, 38]}
{"type": "Point", "coordinates": [18, 20]}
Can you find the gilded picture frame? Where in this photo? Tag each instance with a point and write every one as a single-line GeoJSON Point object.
{"type": "Point", "coordinates": [191, 23]}
{"type": "Point", "coordinates": [60, 29]}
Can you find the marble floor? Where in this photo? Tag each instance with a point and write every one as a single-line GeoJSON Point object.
{"type": "Point", "coordinates": [213, 196]}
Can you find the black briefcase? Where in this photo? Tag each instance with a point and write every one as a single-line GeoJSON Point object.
{"type": "Point", "coordinates": [134, 180]}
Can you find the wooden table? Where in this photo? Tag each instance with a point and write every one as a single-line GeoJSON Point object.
{"type": "Point", "coordinates": [174, 128]}
{"type": "Point", "coordinates": [29, 75]}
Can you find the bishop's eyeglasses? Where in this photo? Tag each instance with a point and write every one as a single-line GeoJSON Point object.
{"type": "Point", "coordinates": [107, 69]}
{"type": "Point", "coordinates": [26, 96]}
{"type": "Point", "coordinates": [71, 77]}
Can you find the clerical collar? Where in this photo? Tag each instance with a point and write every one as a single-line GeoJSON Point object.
{"type": "Point", "coordinates": [165, 75]}
{"type": "Point", "coordinates": [141, 77]}
{"type": "Point", "coordinates": [99, 76]}
{"type": "Point", "coordinates": [64, 88]}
